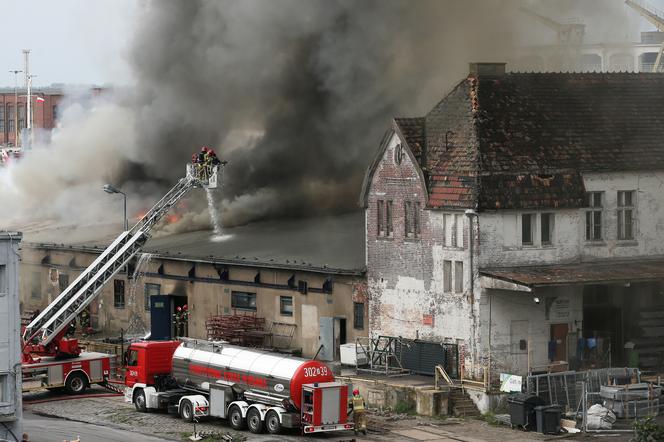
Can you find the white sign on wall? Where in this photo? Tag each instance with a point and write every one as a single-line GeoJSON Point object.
{"type": "Point", "coordinates": [510, 383]}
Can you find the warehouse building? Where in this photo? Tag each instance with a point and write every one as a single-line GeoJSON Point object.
{"type": "Point", "coordinates": [304, 277]}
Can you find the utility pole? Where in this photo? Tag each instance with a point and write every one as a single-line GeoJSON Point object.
{"type": "Point", "coordinates": [15, 72]}
{"type": "Point", "coordinates": [28, 105]}
{"type": "Point", "coordinates": [26, 65]}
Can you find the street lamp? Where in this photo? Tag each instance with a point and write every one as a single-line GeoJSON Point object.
{"type": "Point", "coordinates": [110, 189]}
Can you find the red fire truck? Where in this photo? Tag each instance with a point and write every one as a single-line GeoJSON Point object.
{"type": "Point", "coordinates": [250, 388]}
{"type": "Point", "coordinates": [52, 360]}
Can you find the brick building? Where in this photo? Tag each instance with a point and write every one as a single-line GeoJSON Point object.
{"type": "Point", "coordinates": [13, 111]}
{"type": "Point", "coordinates": [520, 218]}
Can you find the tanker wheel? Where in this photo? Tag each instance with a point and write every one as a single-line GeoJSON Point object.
{"type": "Point", "coordinates": [236, 419]}
{"type": "Point", "coordinates": [76, 383]}
{"type": "Point", "coordinates": [272, 422]}
{"type": "Point", "coordinates": [139, 401]}
{"type": "Point", "coordinates": [254, 421]}
{"type": "Point", "coordinates": [187, 411]}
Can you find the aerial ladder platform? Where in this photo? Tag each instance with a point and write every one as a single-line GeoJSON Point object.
{"type": "Point", "coordinates": [45, 334]}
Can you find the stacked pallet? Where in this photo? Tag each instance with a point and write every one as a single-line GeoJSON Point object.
{"type": "Point", "coordinates": [245, 329]}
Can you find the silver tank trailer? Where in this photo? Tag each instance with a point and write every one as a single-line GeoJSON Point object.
{"type": "Point", "coordinates": [197, 364]}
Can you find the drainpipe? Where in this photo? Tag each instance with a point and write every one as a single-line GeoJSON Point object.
{"type": "Point", "coordinates": [470, 213]}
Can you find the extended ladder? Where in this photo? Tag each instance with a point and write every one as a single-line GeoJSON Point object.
{"type": "Point", "coordinates": [51, 324]}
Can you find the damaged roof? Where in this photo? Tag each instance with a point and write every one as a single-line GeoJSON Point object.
{"type": "Point", "coordinates": [616, 271]}
{"type": "Point", "coordinates": [524, 140]}
{"type": "Point", "coordinates": [331, 244]}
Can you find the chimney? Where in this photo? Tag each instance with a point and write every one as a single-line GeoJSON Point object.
{"type": "Point", "coordinates": [489, 69]}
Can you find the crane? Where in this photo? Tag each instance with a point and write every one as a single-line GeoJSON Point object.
{"type": "Point", "coordinates": [568, 33]}
{"type": "Point", "coordinates": [45, 334]}
{"type": "Point", "coordinates": [654, 16]}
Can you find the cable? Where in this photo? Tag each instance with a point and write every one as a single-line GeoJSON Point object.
{"type": "Point", "coordinates": [10, 431]}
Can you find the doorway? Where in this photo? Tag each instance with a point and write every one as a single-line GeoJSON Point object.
{"type": "Point", "coordinates": [558, 342]}
{"type": "Point", "coordinates": [166, 321]}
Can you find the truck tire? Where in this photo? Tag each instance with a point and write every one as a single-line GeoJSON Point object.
{"type": "Point", "coordinates": [272, 422]}
{"type": "Point", "coordinates": [139, 401]}
{"type": "Point", "coordinates": [76, 383]}
{"type": "Point", "coordinates": [254, 421]}
{"type": "Point", "coordinates": [235, 418]}
{"type": "Point", "coordinates": [187, 411]}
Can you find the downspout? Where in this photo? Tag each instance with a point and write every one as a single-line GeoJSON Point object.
{"type": "Point", "coordinates": [471, 213]}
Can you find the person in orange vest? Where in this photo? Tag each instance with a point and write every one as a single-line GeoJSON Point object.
{"type": "Point", "coordinates": [359, 413]}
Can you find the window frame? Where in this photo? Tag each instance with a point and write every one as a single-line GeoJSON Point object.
{"type": "Point", "coordinates": [119, 294]}
{"type": "Point", "coordinates": [250, 295]}
{"type": "Point", "coordinates": [458, 277]}
{"type": "Point", "coordinates": [412, 220]}
{"type": "Point", "coordinates": [531, 227]}
{"type": "Point", "coordinates": [380, 218]}
{"type": "Point", "coordinates": [551, 225]}
{"type": "Point", "coordinates": [592, 213]}
{"type": "Point", "coordinates": [447, 276]}
{"type": "Point", "coordinates": [286, 312]}
{"type": "Point", "coordinates": [621, 210]}
{"type": "Point", "coordinates": [358, 312]}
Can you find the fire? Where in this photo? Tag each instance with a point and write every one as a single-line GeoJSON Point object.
{"type": "Point", "coordinates": [173, 218]}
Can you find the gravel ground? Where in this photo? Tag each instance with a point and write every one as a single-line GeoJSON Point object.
{"type": "Point", "coordinates": [114, 412]}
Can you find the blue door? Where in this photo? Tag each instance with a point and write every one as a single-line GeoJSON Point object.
{"type": "Point", "coordinates": [160, 318]}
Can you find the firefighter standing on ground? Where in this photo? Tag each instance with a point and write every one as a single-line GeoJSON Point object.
{"type": "Point", "coordinates": [359, 413]}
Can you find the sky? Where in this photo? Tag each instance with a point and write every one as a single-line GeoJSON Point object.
{"type": "Point", "coordinates": [71, 41]}
{"type": "Point", "coordinates": [85, 41]}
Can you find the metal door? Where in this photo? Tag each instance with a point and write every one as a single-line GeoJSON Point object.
{"type": "Point", "coordinates": [160, 318]}
{"type": "Point", "coordinates": [421, 357]}
{"type": "Point", "coordinates": [326, 338]}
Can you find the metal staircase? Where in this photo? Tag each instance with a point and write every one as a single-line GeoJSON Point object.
{"type": "Point", "coordinates": [50, 325]}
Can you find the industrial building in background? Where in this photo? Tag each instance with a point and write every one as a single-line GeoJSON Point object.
{"type": "Point", "coordinates": [11, 410]}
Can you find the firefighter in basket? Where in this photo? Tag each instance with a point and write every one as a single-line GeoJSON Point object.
{"type": "Point", "coordinates": [359, 413]}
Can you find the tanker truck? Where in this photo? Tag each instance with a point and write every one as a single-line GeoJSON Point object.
{"type": "Point", "coordinates": [247, 387]}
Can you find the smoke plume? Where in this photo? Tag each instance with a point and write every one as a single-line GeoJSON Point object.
{"type": "Point", "coordinates": [294, 94]}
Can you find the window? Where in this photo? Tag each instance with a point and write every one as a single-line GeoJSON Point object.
{"type": "Point", "coordinates": [243, 301]}
{"type": "Point", "coordinates": [546, 228]}
{"type": "Point", "coordinates": [458, 276]}
{"type": "Point", "coordinates": [388, 218]}
{"type": "Point", "coordinates": [286, 305]}
{"type": "Point", "coordinates": [527, 229]}
{"type": "Point", "coordinates": [358, 315]}
{"type": "Point", "coordinates": [148, 291]}
{"type": "Point", "coordinates": [55, 112]}
{"type": "Point", "coordinates": [458, 222]}
{"type": "Point", "coordinates": [380, 215]}
{"type": "Point", "coordinates": [132, 358]}
{"type": "Point", "coordinates": [447, 276]}
{"type": "Point", "coordinates": [412, 219]}
{"type": "Point", "coordinates": [302, 286]}
{"type": "Point", "coordinates": [36, 286]}
{"type": "Point", "coordinates": [21, 116]}
{"type": "Point", "coordinates": [63, 281]}
{"type": "Point", "coordinates": [2, 118]}
{"type": "Point", "coordinates": [626, 214]}
{"type": "Point", "coordinates": [594, 216]}
{"type": "Point", "coordinates": [119, 293]}
{"type": "Point", "coordinates": [10, 118]}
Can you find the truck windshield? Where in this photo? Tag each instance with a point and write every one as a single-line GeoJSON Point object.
{"type": "Point", "coordinates": [132, 357]}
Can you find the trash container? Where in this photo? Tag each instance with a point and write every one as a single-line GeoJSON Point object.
{"type": "Point", "coordinates": [522, 410]}
{"type": "Point", "coordinates": [548, 419]}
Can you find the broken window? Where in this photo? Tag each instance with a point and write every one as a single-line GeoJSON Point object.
{"type": "Point", "coordinates": [412, 219]}
{"type": "Point", "coordinates": [458, 276]}
{"type": "Point", "coordinates": [527, 229]}
{"type": "Point", "coordinates": [36, 286]}
{"type": "Point", "coordinates": [119, 293]}
{"type": "Point", "coordinates": [243, 301]}
{"type": "Point", "coordinates": [546, 228]}
{"type": "Point", "coordinates": [286, 305]}
{"type": "Point", "coordinates": [358, 315]}
{"type": "Point", "coordinates": [626, 214]}
{"type": "Point", "coordinates": [63, 281]}
{"type": "Point", "coordinates": [447, 276]}
{"type": "Point", "coordinates": [594, 216]}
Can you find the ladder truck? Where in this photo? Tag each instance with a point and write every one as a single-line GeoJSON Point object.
{"type": "Point", "coordinates": [52, 360]}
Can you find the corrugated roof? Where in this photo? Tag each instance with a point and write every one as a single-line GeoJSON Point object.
{"type": "Point", "coordinates": [616, 271]}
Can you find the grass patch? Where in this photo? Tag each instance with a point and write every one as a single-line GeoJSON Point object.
{"type": "Point", "coordinates": [490, 418]}
{"type": "Point", "coordinates": [403, 407]}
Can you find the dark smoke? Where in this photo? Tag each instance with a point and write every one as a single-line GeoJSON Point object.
{"type": "Point", "coordinates": [294, 94]}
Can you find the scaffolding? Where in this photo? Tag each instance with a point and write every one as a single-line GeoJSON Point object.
{"type": "Point", "coordinates": [382, 355]}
